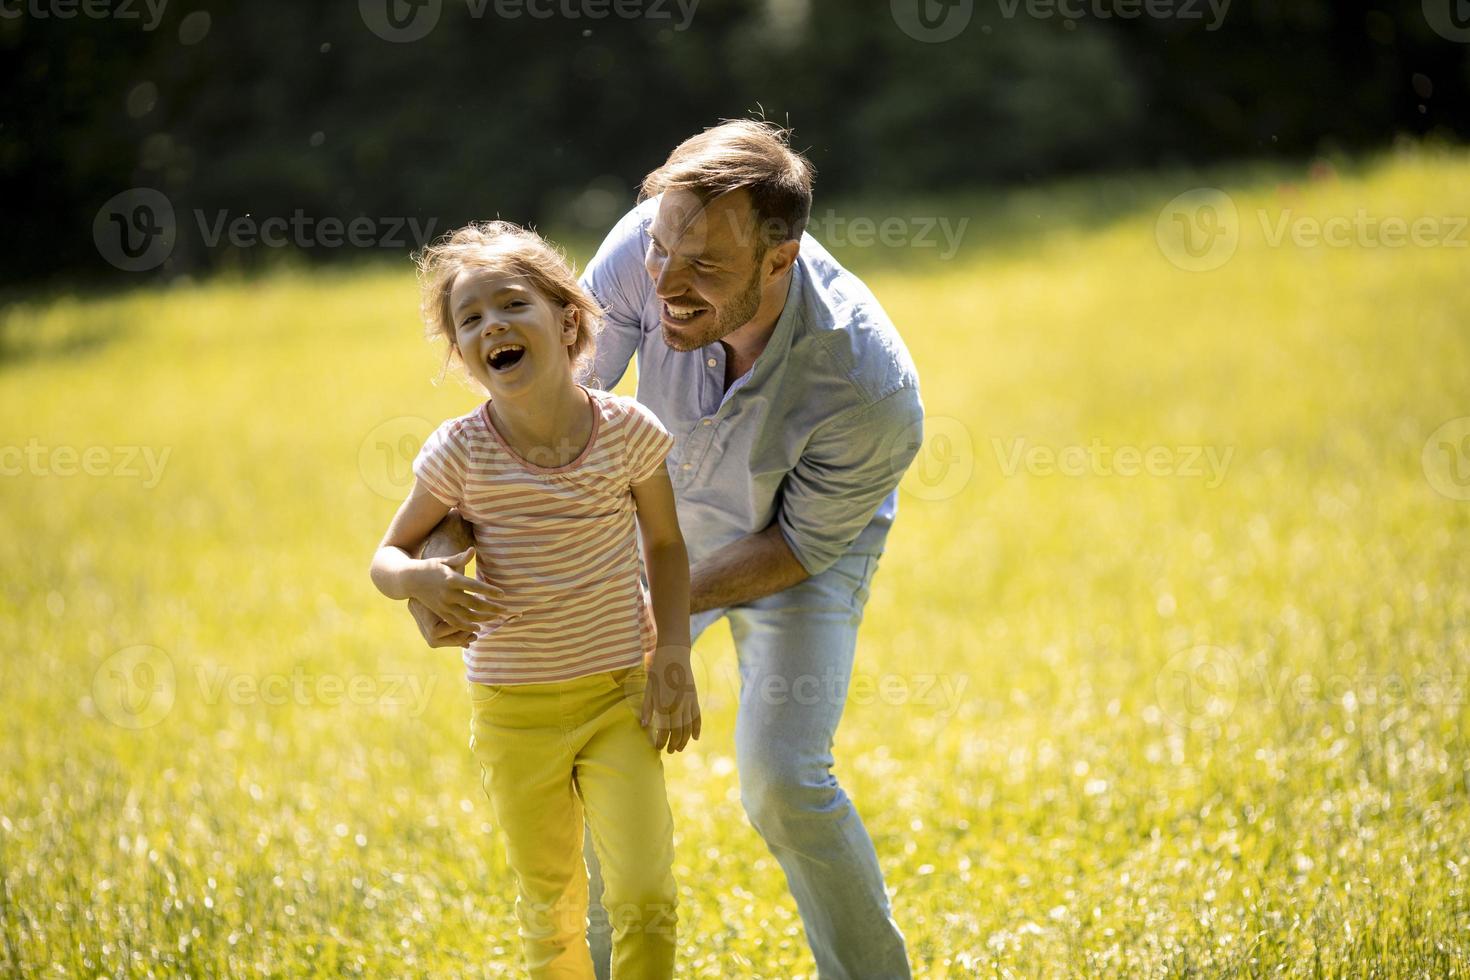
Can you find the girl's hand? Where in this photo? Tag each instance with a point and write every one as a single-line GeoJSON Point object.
{"type": "Point", "coordinates": [670, 702]}
{"type": "Point", "coordinates": [460, 601]}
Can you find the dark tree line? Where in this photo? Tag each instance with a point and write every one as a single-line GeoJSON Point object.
{"type": "Point", "coordinates": [282, 109]}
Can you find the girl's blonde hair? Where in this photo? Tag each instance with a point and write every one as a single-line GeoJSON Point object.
{"type": "Point", "coordinates": [511, 250]}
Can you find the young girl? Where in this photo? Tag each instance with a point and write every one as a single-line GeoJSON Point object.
{"type": "Point", "coordinates": [552, 476]}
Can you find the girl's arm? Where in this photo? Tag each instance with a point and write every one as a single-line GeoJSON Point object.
{"type": "Point", "coordinates": [438, 583]}
{"type": "Point", "coordinates": [670, 701]}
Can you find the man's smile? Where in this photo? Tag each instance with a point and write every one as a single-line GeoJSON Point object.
{"type": "Point", "coordinates": [680, 313]}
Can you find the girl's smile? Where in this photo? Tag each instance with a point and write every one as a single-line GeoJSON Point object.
{"type": "Point", "coordinates": [505, 357]}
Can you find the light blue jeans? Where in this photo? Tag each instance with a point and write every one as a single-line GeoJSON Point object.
{"type": "Point", "coordinates": [795, 652]}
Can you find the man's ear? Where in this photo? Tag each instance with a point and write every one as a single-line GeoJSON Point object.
{"type": "Point", "coordinates": [780, 258]}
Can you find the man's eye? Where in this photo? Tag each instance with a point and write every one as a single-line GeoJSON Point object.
{"type": "Point", "coordinates": [704, 267]}
{"type": "Point", "coordinates": [655, 247]}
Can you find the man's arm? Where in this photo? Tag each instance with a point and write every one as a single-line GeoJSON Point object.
{"type": "Point", "coordinates": [450, 536]}
{"type": "Point", "coordinates": [617, 279]}
{"type": "Point", "coordinates": [826, 501]}
{"type": "Point", "coordinates": [746, 569]}
{"type": "Point", "coordinates": [849, 465]}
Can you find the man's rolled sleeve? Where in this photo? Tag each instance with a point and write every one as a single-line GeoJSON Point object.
{"type": "Point", "coordinates": [850, 465]}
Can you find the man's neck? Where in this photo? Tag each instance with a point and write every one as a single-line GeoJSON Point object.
{"type": "Point", "coordinates": [745, 343]}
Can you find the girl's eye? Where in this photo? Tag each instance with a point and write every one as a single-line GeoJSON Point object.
{"type": "Point", "coordinates": [515, 302]}
{"type": "Point", "coordinates": [469, 319]}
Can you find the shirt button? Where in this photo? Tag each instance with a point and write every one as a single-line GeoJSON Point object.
{"type": "Point", "coordinates": [684, 467]}
{"type": "Point", "coordinates": [706, 422]}
{"type": "Point", "coordinates": [710, 362]}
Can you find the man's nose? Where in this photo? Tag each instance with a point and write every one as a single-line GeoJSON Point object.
{"type": "Point", "coordinates": [670, 278]}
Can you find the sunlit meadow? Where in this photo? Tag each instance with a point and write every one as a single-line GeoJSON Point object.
{"type": "Point", "coordinates": [1164, 672]}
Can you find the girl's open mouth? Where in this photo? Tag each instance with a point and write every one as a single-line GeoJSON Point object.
{"type": "Point", "coordinates": [506, 357]}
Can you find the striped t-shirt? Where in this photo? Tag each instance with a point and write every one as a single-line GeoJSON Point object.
{"type": "Point", "coordinates": [561, 541]}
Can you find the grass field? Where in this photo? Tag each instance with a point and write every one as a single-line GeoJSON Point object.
{"type": "Point", "coordinates": [1207, 718]}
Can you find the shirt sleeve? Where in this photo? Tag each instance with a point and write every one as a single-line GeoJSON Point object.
{"type": "Point", "coordinates": [618, 281]}
{"type": "Point", "coordinates": [442, 462]}
{"type": "Point", "coordinates": [847, 469]}
{"type": "Point", "coordinates": [648, 443]}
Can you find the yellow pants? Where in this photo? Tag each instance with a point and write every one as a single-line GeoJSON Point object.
{"type": "Point", "coordinates": [547, 753]}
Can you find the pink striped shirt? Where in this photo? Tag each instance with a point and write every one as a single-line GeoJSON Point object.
{"type": "Point", "coordinates": [561, 541]}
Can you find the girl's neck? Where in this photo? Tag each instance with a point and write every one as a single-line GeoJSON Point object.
{"type": "Point", "coordinates": [551, 429]}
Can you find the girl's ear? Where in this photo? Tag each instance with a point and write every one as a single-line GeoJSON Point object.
{"type": "Point", "coordinates": [570, 318]}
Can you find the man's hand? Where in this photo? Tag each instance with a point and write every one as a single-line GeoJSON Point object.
{"type": "Point", "coordinates": [670, 702]}
{"type": "Point", "coordinates": [451, 537]}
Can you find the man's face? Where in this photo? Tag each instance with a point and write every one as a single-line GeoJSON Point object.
{"type": "Point", "coordinates": [706, 266]}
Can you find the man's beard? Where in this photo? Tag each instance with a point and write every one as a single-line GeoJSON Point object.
{"type": "Point", "coordinates": [734, 316]}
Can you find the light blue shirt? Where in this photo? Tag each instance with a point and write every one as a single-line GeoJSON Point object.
{"type": "Point", "coordinates": [816, 435]}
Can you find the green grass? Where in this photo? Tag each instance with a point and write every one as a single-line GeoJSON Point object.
{"type": "Point", "coordinates": [1293, 797]}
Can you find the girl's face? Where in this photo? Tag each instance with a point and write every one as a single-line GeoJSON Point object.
{"type": "Point", "coordinates": [510, 335]}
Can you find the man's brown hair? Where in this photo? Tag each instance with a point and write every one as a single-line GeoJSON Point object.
{"type": "Point", "coordinates": [750, 154]}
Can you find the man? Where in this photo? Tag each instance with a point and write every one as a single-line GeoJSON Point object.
{"type": "Point", "coordinates": [795, 410]}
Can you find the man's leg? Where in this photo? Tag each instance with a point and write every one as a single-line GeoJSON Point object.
{"type": "Point", "coordinates": [796, 652]}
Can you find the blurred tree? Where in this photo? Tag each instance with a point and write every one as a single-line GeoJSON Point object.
{"type": "Point", "coordinates": [272, 108]}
